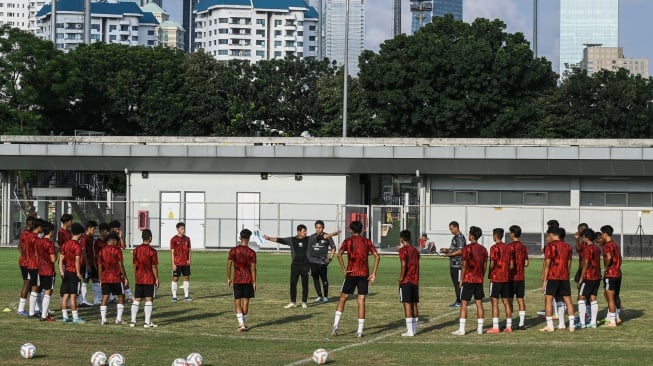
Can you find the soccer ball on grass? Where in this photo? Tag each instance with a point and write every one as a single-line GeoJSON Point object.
{"type": "Point", "coordinates": [28, 350]}
{"type": "Point", "coordinates": [99, 358]}
{"type": "Point", "coordinates": [194, 359]}
{"type": "Point", "coordinates": [320, 356]}
{"type": "Point", "coordinates": [116, 359]}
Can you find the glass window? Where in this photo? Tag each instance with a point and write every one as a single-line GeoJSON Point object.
{"type": "Point", "coordinates": [535, 198]}
{"type": "Point", "coordinates": [260, 21]}
{"type": "Point", "coordinates": [466, 197]}
{"type": "Point", "coordinates": [311, 38]}
{"type": "Point", "coordinates": [277, 22]}
{"type": "Point", "coordinates": [134, 27]}
{"type": "Point", "coordinates": [616, 199]}
{"type": "Point", "coordinates": [311, 48]}
{"type": "Point", "coordinates": [223, 30]}
{"type": "Point", "coordinates": [134, 38]}
{"type": "Point", "coordinates": [277, 53]}
{"type": "Point", "coordinates": [489, 198]}
{"type": "Point", "coordinates": [223, 20]}
{"type": "Point", "coordinates": [223, 41]}
{"type": "Point", "coordinates": [260, 53]}
{"type": "Point", "coordinates": [112, 38]}
{"type": "Point", "coordinates": [112, 27]}
{"type": "Point", "coordinates": [277, 33]}
{"type": "Point", "coordinates": [592, 199]}
{"type": "Point", "coordinates": [260, 42]}
{"type": "Point", "coordinates": [312, 27]}
{"type": "Point", "coordinates": [639, 199]}
{"type": "Point", "coordinates": [277, 43]}
{"type": "Point", "coordinates": [290, 43]}
{"type": "Point", "coordinates": [512, 198]}
{"type": "Point", "coordinates": [559, 198]}
{"type": "Point", "coordinates": [223, 52]}
{"type": "Point", "coordinates": [444, 197]}
{"type": "Point", "coordinates": [260, 32]}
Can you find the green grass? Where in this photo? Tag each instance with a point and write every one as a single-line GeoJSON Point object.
{"type": "Point", "coordinates": [283, 336]}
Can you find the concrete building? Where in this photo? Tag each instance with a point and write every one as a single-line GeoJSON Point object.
{"type": "Point", "coordinates": [423, 11]}
{"type": "Point", "coordinates": [170, 33]}
{"type": "Point", "coordinates": [596, 57]}
{"type": "Point", "coordinates": [586, 22]}
{"type": "Point", "coordinates": [256, 30]}
{"type": "Point", "coordinates": [19, 13]}
{"type": "Point", "coordinates": [124, 23]}
{"type": "Point", "coordinates": [334, 32]}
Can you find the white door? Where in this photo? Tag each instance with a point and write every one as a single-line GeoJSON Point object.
{"type": "Point", "coordinates": [170, 210]}
{"type": "Point", "coordinates": [248, 214]}
{"type": "Point", "coordinates": [195, 209]}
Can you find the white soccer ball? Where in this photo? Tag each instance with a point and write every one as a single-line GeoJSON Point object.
{"type": "Point", "coordinates": [116, 359]}
{"type": "Point", "coordinates": [320, 356]}
{"type": "Point", "coordinates": [99, 359]}
{"type": "Point", "coordinates": [194, 359]}
{"type": "Point", "coordinates": [179, 362]}
{"type": "Point", "coordinates": [28, 350]}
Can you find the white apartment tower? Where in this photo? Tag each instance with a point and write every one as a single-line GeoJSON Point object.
{"type": "Point", "coordinates": [256, 30]}
{"type": "Point", "coordinates": [334, 32]}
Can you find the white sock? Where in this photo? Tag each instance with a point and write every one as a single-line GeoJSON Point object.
{"type": "Point", "coordinates": [509, 323]}
{"type": "Point", "coordinates": [409, 325]}
{"type": "Point", "coordinates": [173, 288]}
{"type": "Point", "coordinates": [572, 318]}
{"type": "Point", "coordinates": [121, 308]}
{"type": "Point", "coordinates": [336, 320]}
{"type": "Point", "coordinates": [594, 306]}
{"type": "Point", "coordinates": [97, 293]}
{"type": "Point", "coordinates": [479, 326]}
{"type": "Point", "coordinates": [21, 305]}
{"type": "Point", "coordinates": [415, 324]}
{"type": "Point", "coordinates": [361, 324]}
{"type": "Point", "coordinates": [186, 285]}
{"type": "Point", "coordinates": [495, 323]}
{"type": "Point", "coordinates": [241, 321]}
{"type": "Point", "coordinates": [45, 306]}
{"type": "Point", "coordinates": [462, 323]}
{"type": "Point", "coordinates": [84, 292]}
{"type": "Point", "coordinates": [33, 296]}
{"type": "Point", "coordinates": [148, 311]}
{"type": "Point", "coordinates": [64, 313]}
{"type": "Point", "coordinates": [103, 313]}
{"type": "Point", "coordinates": [612, 317]}
{"type": "Point", "coordinates": [75, 314]}
{"type": "Point", "coordinates": [582, 311]}
{"type": "Point", "coordinates": [522, 318]}
{"type": "Point", "coordinates": [561, 314]}
{"type": "Point", "coordinates": [549, 322]}
{"type": "Point", "coordinates": [135, 306]}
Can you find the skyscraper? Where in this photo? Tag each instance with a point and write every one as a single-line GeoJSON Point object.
{"type": "Point", "coordinates": [334, 35]}
{"type": "Point", "coordinates": [422, 11]}
{"type": "Point", "coordinates": [586, 22]}
{"type": "Point", "coordinates": [187, 23]}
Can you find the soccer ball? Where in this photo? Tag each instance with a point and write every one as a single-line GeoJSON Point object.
{"type": "Point", "coordinates": [99, 359]}
{"type": "Point", "coordinates": [116, 359]}
{"type": "Point", "coordinates": [195, 359]}
{"type": "Point", "coordinates": [27, 350]}
{"type": "Point", "coordinates": [320, 356]}
{"type": "Point", "coordinates": [179, 362]}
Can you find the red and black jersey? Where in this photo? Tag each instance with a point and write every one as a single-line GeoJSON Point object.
{"type": "Point", "coordinates": [519, 255]}
{"type": "Point", "coordinates": [144, 257]}
{"type": "Point", "coordinates": [614, 269]}
{"type": "Point", "coordinates": [500, 256]}
{"type": "Point", "coordinates": [111, 261]}
{"type": "Point", "coordinates": [410, 255]}
{"type": "Point", "coordinates": [98, 244]}
{"type": "Point", "coordinates": [63, 236]}
{"type": "Point", "coordinates": [31, 253]}
{"type": "Point", "coordinates": [86, 243]}
{"type": "Point", "coordinates": [592, 253]}
{"type": "Point", "coordinates": [69, 251]}
{"type": "Point", "coordinates": [358, 249]}
{"type": "Point", "coordinates": [474, 261]}
{"type": "Point", "coordinates": [559, 253]}
{"type": "Point", "coordinates": [181, 246]}
{"type": "Point", "coordinates": [22, 242]}
{"type": "Point", "coordinates": [46, 251]}
{"type": "Point", "coordinates": [242, 257]}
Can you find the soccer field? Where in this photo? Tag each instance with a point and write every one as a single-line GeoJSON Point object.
{"type": "Point", "coordinates": [279, 336]}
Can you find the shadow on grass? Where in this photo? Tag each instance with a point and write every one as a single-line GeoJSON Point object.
{"type": "Point", "coordinates": [288, 319]}
{"type": "Point", "coordinates": [631, 314]}
{"type": "Point", "coordinates": [395, 325]}
{"type": "Point", "coordinates": [177, 316]}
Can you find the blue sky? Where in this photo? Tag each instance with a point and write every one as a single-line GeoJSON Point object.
{"type": "Point", "coordinates": [635, 23]}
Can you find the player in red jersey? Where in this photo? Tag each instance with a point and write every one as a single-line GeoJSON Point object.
{"type": "Point", "coordinates": [555, 276]}
{"type": "Point", "coordinates": [70, 270]}
{"type": "Point", "coordinates": [181, 258]}
{"type": "Point", "coordinates": [99, 243]}
{"type": "Point", "coordinates": [409, 282]}
{"type": "Point", "coordinates": [64, 234]}
{"type": "Point", "coordinates": [590, 278]}
{"type": "Point", "coordinates": [32, 255]}
{"type": "Point", "coordinates": [114, 227]}
{"type": "Point", "coordinates": [519, 255]}
{"type": "Point", "coordinates": [499, 274]}
{"type": "Point", "coordinates": [612, 280]}
{"type": "Point", "coordinates": [243, 259]}
{"type": "Point", "coordinates": [357, 273]}
{"type": "Point", "coordinates": [474, 257]}
{"type": "Point", "coordinates": [86, 244]}
{"type": "Point", "coordinates": [47, 259]}
{"type": "Point", "coordinates": [22, 263]}
{"type": "Point", "coordinates": [112, 276]}
{"type": "Point", "coordinates": [146, 270]}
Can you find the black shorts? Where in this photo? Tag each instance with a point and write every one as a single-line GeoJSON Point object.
{"type": "Point", "coordinates": [518, 289]}
{"type": "Point", "coordinates": [612, 284]}
{"type": "Point", "coordinates": [500, 290]}
{"type": "Point", "coordinates": [558, 288]}
{"type": "Point", "coordinates": [70, 283]}
{"type": "Point", "coordinates": [355, 282]}
{"type": "Point", "coordinates": [33, 277]}
{"type": "Point", "coordinates": [589, 288]}
{"type": "Point", "coordinates": [143, 291]}
{"type": "Point", "coordinates": [469, 289]}
{"type": "Point", "coordinates": [46, 282]}
{"type": "Point", "coordinates": [23, 272]}
{"type": "Point", "coordinates": [243, 290]}
{"type": "Point", "coordinates": [181, 271]}
{"type": "Point", "coordinates": [112, 288]}
{"type": "Point", "coordinates": [409, 293]}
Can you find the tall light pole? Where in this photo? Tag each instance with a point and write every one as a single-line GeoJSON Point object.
{"type": "Point", "coordinates": [535, 16]}
{"type": "Point", "coordinates": [87, 22]}
{"type": "Point", "coordinates": [346, 71]}
{"type": "Point", "coordinates": [53, 23]}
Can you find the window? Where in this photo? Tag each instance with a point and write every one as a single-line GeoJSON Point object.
{"type": "Point", "coordinates": [223, 31]}
{"type": "Point", "coordinates": [311, 28]}
{"type": "Point", "coordinates": [260, 43]}
{"type": "Point", "coordinates": [260, 32]}
{"type": "Point", "coordinates": [112, 27]}
{"type": "Point", "coordinates": [290, 43]}
{"type": "Point", "coordinates": [277, 22]}
{"type": "Point", "coordinates": [134, 38]}
{"type": "Point", "coordinates": [311, 38]}
{"type": "Point", "coordinates": [300, 33]}
{"type": "Point", "coordinates": [311, 48]}
{"type": "Point", "coordinates": [495, 198]}
{"type": "Point", "coordinates": [124, 28]}
{"type": "Point", "coordinates": [300, 44]}
{"type": "Point", "coordinates": [277, 33]}
{"type": "Point", "coordinates": [616, 199]}
{"type": "Point", "coordinates": [134, 28]}
{"type": "Point", "coordinates": [223, 41]}
{"type": "Point", "coordinates": [95, 27]}
{"type": "Point", "coordinates": [223, 52]}
{"type": "Point", "coordinates": [277, 43]}
{"type": "Point", "coordinates": [150, 32]}
{"type": "Point", "coordinates": [150, 42]}
{"type": "Point", "coordinates": [290, 33]}
{"type": "Point", "coordinates": [260, 21]}
{"type": "Point", "coordinates": [277, 53]}
{"type": "Point", "coordinates": [300, 23]}
{"type": "Point", "coordinates": [112, 38]}
{"type": "Point", "coordinates": [535, 198]}
{"type": "Point", "coordinates": [223, 20]}
{"type": "Point", "coordinates": [260, 53]}
{"type": "Point", "coordinates": [468, 197]}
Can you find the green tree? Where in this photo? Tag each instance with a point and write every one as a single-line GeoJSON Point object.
{"type": "Point", "coordinates": [453, 79]}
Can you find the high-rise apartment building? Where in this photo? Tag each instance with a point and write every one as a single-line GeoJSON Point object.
{"type": "Point", "coordinates": [586, 22]}
{"type": "Point", "coordinates": [187, 22]}
{"type": "Point", "coordinates": [423, 11]}
{"type": "Point", "coordinates": [334, 32]}
{"type": "Point", "coordinates": [597, 58]}
{"type": "Point", "coordinates": [256, 30]}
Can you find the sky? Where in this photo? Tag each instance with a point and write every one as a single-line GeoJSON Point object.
{"type": "Point", "coordinates": [635, 25]}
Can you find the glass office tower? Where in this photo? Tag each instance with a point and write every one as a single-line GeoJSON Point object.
{"type": "Point", "coordinates": [334, 34]}
{"type": "Point", "coordinates": [586, 22]}
{"type": "Point", "coordinates": [422, 11]}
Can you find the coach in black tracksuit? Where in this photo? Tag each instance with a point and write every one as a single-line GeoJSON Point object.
{"type": "Point", "coordinates": [299, 265]}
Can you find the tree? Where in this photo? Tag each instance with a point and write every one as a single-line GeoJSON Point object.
{"type": "Point", "coordinates": [453, 79]}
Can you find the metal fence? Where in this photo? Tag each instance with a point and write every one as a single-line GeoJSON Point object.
{"type": "Point", "coordinates": [216, 225]}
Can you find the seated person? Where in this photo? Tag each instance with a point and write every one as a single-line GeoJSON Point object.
{"type": "Point", "coordinates": [427, 246]}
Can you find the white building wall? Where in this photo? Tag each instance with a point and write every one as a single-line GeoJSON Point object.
{"type": "Point", "coordinates": [15, 13]}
